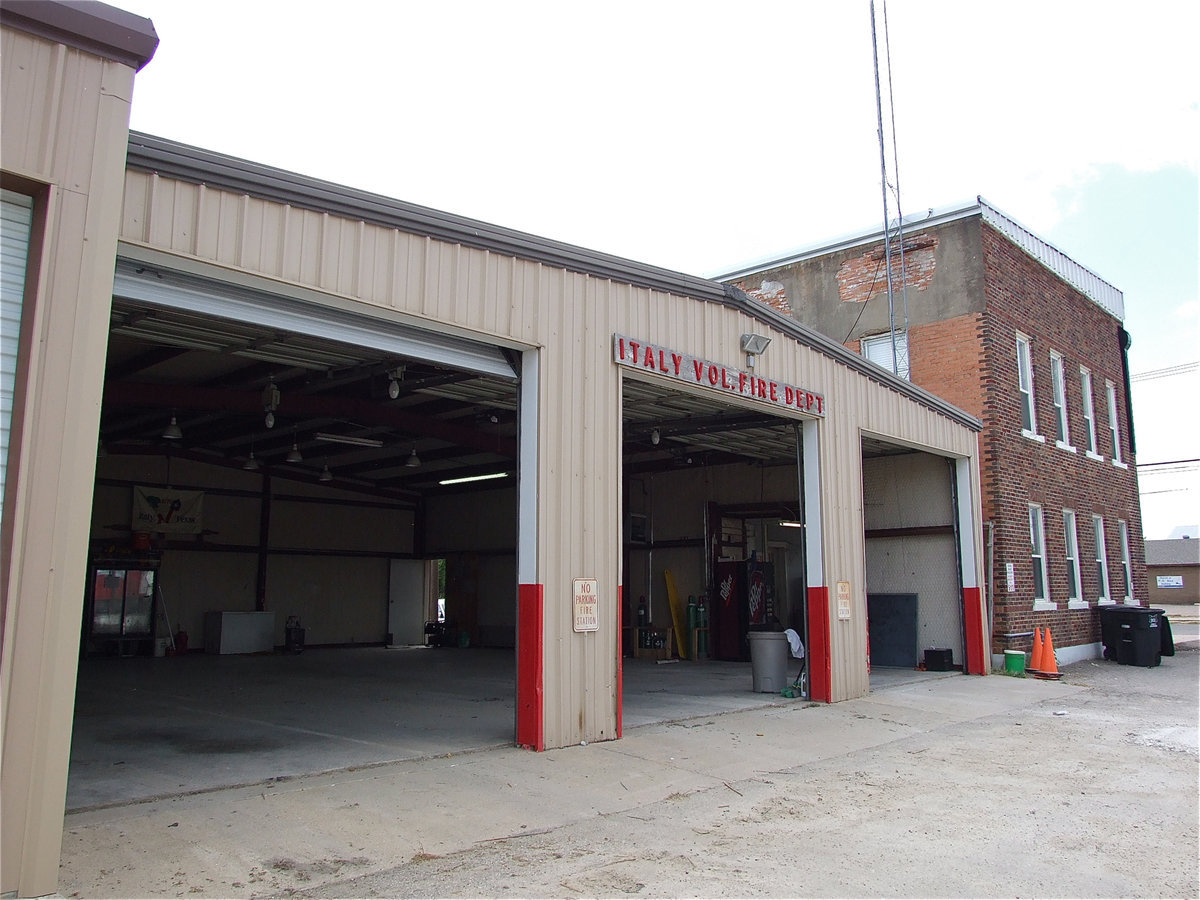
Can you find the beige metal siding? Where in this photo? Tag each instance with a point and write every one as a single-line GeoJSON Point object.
{"type": "Point", "coordinates": [66, 116]}
{"type": "Point", "coordinates": [572, 317]}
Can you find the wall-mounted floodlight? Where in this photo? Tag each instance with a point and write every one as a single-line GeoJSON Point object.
{"type": "Point", "coordinates": [754, 345]}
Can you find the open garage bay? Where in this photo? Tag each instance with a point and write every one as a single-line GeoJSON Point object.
{"type": "Point", "coordinates": [155, 727]}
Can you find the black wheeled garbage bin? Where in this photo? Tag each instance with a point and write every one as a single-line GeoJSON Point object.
{"type": "Point", "coordinates": [1134, 635]}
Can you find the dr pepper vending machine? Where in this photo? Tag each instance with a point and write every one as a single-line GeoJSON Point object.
{"type": "Point", "coordinates": [745, 597]}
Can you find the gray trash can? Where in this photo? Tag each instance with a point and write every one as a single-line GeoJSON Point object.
{"type": "Point", "coordinates": [769, 651]}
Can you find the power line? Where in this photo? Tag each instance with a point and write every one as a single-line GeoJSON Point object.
{"type": "Point", "coordinates": [1172, 462]}
{"type": "Point", "coordinates": [1181, 369]}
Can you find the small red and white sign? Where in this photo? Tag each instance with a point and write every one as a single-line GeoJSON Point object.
{"type": "Point", "coordinates": [586, 602]}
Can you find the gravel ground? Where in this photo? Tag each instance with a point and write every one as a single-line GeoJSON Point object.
{"type": "Point", "coordinates": [1091, 795]}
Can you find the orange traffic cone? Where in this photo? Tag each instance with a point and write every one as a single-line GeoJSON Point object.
{"type": "Point", "coordinates": [1035, 659]}
{"type": "Point", "coordinates": [1049, 663]}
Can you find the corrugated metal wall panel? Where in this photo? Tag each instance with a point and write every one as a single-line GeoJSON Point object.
{"type": "Point", "coordinates": [42, 77]}
{"type": "Point", "coordinates": [66, 118]}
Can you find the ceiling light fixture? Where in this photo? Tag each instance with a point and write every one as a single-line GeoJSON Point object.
{"type": "Point", "coordinates": [294, 455]}
{"type": "Point", "coordinates": [270, 399]}
{"type": "Point", "coordinates": [326, 475]}
{"type": "Point", "coordinates": [790, 523]}
{"type": "Point", "coordinates": [655, 437]}
{"type": "Point", "coordinates": [394, 377]}
{"type": "Point", "coordinates": [173, 432]}
{"type": "Point", "coordinates": [468, 478]}
{"type": "Point", "coordinates": [251, 463]}
{"type": "Point", "coordinates": [413, 460]}
{"type": "Point", "coordinates": [347, 439]}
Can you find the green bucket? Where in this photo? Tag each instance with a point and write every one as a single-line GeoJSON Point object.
{"type": "Point", "coordinates": [1014, 662]}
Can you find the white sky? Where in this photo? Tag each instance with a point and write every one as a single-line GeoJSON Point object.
{"type": "Point", "coordinates": [700, 135]}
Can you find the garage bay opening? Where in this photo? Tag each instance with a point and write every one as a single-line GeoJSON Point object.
{"type": "Point", "coordinates": [303, 546]}
{"type": "Point", "coordinates": [713, 551]}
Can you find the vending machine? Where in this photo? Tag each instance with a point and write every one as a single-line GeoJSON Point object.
{"type": "Point", "coordinates": [744, 597]}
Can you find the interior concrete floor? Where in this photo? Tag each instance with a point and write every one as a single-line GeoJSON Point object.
{"type": "Point", "coordinates": [157, 727]}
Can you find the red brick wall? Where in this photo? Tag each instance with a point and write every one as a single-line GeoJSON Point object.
{"type": "Point", "coordinates": [862, 277]}
{"type": "Point", "coordinates": [974, 290]}
{"type": "Point", "coordinates": [771, 293]}
{"type": "Point", "coordinates": [1016, 470]}
{"type": "Point", "coordinates": [947, 358]}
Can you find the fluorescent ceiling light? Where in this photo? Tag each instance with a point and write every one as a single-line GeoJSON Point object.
{"type": "Point", "coordinates": [347, 439]}
{"type": "Point", "coordinates": [790, 523]}
{"type": "Point", "coordinates": [474, 478]}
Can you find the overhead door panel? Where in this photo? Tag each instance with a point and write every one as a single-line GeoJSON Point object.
{"type": "Point", "coordinates": [135, 281]}
{"type": "Point", "coordinates": [16, 216]}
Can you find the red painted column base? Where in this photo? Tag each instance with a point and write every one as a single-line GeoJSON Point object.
{"type": "Point", "coordinates": [620, 659]}
{"type": "Point", "coordinates": [530, 655]}
{"type": "Point", "coordinates": [820, 655]}
{"type": "Point", "coordinates": [973, 625]}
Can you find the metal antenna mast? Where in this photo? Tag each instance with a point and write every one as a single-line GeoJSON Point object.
{"type": "Point", "coordinates": [887, 43]}
{"type": "Point", "coordinates": [887, 241]}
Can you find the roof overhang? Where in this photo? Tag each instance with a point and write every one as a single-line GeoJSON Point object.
{"type": "Point", "coordinates": [171, 159]}
{"type": "Point", "coordinates": [96, 28]}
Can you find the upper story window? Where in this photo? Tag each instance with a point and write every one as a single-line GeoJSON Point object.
{"type": "Point", "coordinates": [1025, 385]}
{"type": "Point", "coordinates": [1062, 428]}
{"type": "Point", "coordinates": [1113, 423]}
{"type": "Point", "coordinates": [1089, 411]}
{"type": "Point", "coordinates": [878, 350]}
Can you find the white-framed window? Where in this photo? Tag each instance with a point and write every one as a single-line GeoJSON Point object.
{"type": "Point", "coordinates": [1025, 385]}
{"type": "Point", "coordinates": [878, 349]}
{"type": "Point", "coordinates": [1037, 552]}
{"type": "Point", "coordinates": [1126, 562]}
{"type": "Point", "coordinates": [1101, 557]}
{"type": "Point", "coordinates": [1071, 542]}
{"type": "Point", "coordinates": [1061, 425]}
{"type": "Point", "coordinates": [1113, 423]}
{"type": "Point", "coordinates": [1089, 410]}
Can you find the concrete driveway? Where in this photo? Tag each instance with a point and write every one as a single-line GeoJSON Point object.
{"type": "Point", "coordinates": [996, 786]}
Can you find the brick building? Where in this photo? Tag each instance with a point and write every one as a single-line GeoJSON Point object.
{"type": "Point", "coordinates": [999, 322]}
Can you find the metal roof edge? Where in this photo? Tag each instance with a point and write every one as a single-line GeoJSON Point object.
{"type": "Point", "coordinates": [196, 165]}
{"type": "Point", "coordinates": [918, 220]}
{"type": "Point", "coordinates": [1105, 295]}
{"type": "Point", "coordinates": [97, 28]}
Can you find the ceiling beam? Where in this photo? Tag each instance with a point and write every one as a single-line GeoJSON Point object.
{"type": "Point", "coordinates": [370, 412]}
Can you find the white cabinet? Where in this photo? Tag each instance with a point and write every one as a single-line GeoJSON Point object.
{"type": "Point", "coordinates": [239, 632]}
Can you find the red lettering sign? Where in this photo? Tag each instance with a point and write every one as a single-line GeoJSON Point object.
{"type": "Point", "coordinates": [674, 364]}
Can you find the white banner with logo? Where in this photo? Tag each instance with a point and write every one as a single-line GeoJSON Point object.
{"type": "Point", "coordinates": [166, 510]}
